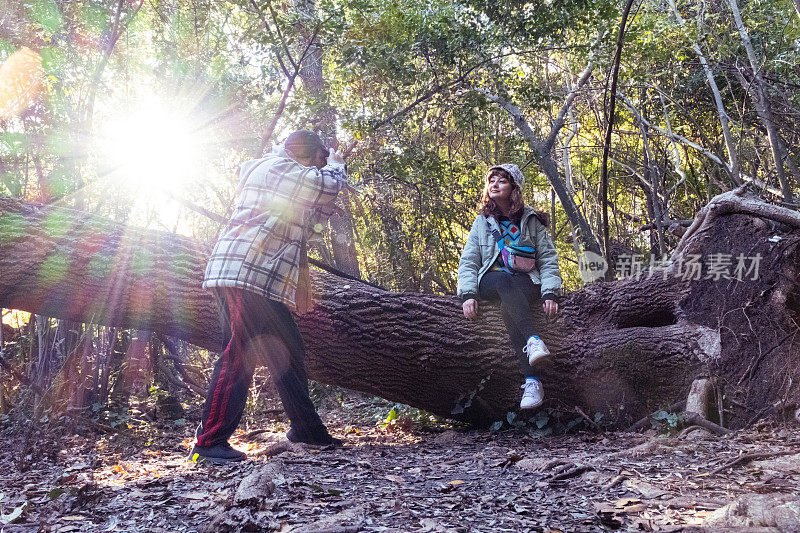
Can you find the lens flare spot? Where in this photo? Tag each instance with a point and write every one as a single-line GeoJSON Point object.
{"type": "Point", "coordinates": [12, 227]}
{"type": "Point", "coordinates": [54, 269]}
{"type": "Point", "coordinates": [21, 82]}
{"type": "Point", "coordinates": [142, 263]}
{"type": "Point", "coordinates": [99, 266]}
{"type": "Point", "coordinates": [56, 225]}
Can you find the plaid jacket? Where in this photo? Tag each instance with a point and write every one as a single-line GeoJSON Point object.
{"type": "Point", "coordinates": [282, 204]}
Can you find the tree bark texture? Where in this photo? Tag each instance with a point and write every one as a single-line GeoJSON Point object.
{"type": "Point", "coordinates": [622, 349]}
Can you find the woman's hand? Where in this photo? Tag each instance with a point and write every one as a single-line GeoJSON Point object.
{"type": "Point", "coordinates": [470, 308]}
{"type": "Point", "coordinates": [550, 308]}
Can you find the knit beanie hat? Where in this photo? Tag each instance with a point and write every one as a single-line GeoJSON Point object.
{"type": "Point", "coordinates": [513, 171]}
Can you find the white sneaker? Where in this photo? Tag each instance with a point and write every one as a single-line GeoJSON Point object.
{"type": "Point", "coordinates": [533, 396]}
{"type": "Point", "coordinates": [535, 349]}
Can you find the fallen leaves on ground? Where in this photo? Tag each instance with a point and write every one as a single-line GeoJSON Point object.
{"type": "Point", "coordinates": [409, 479]}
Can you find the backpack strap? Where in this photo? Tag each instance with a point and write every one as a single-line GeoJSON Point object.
{"type": "Point", "coordinates": [495, 232]}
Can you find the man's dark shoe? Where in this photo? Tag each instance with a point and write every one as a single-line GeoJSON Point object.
{"type": "Point", "coordinates": [318, 439]}
{"type": "Point", "coordinates": [221, 453]}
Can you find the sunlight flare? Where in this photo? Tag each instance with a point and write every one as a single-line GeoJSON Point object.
{"type": "Point", "coordinates": [152, 146]}
{"type": "Point", "coordinates": [15, 319]}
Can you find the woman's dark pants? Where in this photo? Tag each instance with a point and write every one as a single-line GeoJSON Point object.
{"type": "Point", "coordinates": [517, 295]}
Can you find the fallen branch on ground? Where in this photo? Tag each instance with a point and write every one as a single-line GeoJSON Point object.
{"type": "Point", "coordinates": [697, 420]}
{"type": "Point", "coordinates": [570, 473]}
{"type": "Point", "coordinates": [749, 457]}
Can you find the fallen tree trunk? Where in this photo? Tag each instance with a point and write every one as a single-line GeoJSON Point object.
{"type": "Point", "coordinates": [621, 349]}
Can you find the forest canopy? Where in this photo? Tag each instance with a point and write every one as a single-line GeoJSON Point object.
{"type": "Point", "coordinates": [132, 109]}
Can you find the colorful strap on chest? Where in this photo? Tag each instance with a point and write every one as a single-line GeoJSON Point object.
{"type": "Point", "coordinates": [501, 244]}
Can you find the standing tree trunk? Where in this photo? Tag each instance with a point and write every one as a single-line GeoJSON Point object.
{"type": "Point", "coordinates": [611, 117]}
{"type": "Point", "coordinates": [733, 156]}
{"type": "Point", "coordinates": [652, 175]}
{"type": "Point", "coordinates": [544, 146]}
{"type": "Point", "coordinates": [545, 150]}
{"type": "Point", "coordinates": [341, 224]}
{"type": "Point", "coordinates": [758, 93]}
{"type": "Point", "coordinates": [622, 349]}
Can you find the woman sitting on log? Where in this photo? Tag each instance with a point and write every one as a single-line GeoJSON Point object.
{"type": "Point", "coordinates": [509, 257]}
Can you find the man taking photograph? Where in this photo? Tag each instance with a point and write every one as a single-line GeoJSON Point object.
{"type": "Point", "coordinates": [258, 272]}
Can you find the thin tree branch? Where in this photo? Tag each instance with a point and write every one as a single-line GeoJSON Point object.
{"type": "Point", "coordinates": [759, 97]}
{"type": "Point", "coordinates": [117, 29]}
{"type": "Point", "coordinates": [278, 55]}
{"type": "Point", "coordinates": [274, 16]}
{"type": "Point", "coordinates": [732, 168]}
{"type": "Point", "coordinates": [560, 119]}
{"type": "Point", "coordinates": [607, 143]}
{"type": "Point", "coordinates": [285, 96]}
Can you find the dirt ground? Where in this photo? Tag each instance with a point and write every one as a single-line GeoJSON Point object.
{"type": "Point", "coordinates": [410, 474]}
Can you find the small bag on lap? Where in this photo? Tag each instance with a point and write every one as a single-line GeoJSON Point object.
{"type": "Point", "coordinates": [521, 257]}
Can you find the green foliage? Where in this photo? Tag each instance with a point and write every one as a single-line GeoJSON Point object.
{"type": "Point", "coordinates": [667, 422]}
{"type": "Point", "coordinates": [157, 393]}
{"type": "Point", "coordinates": [542, 422]}
{"type": "Point", "coordinates": [406, 417]}
{"type": "Point", "coordinates": [114, 416]}
{"type": "Point", "coordinates": [46, 14]}
{"type": "Point", "coordinates": [419, 174]}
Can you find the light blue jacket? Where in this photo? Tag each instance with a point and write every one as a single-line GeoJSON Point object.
{"type": "Point", "coordinates": [481, 251]}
